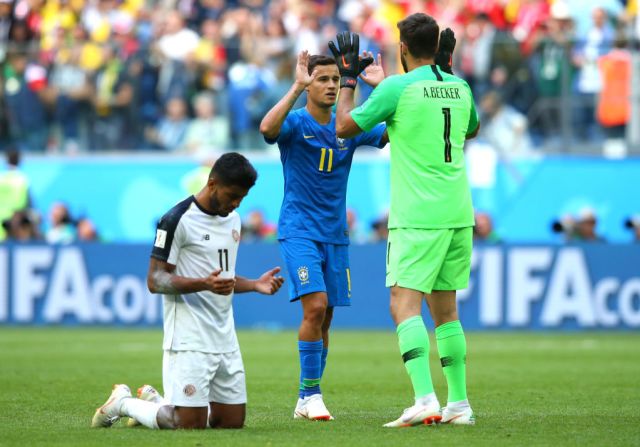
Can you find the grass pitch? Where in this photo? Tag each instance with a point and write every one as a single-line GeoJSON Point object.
{"type": "Point", "coordinates": [526, 389]}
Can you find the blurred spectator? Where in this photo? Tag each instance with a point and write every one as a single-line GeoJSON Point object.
{"type": "Point", "coordinates": [475, 54]}
{"type": "Point", "coordinates": [503, 127]}
{"type": "Point", "coordinates": [206, 133]}
{"type": "Point", "coordinates": [551, 68]}
{"type": "Point", "coordinates": [176, 48]}
{"type": "Point", "coordinates": [532, 14]}
{"type": "Point", "coordinates": [86, 231]}
{"type": "Point", "coordinates": [22, 226]}
{"type": "Point", "coordinates": [113, 92]}
{"type": "Point", "coordinates": [256, 228]}
{"type": "Point", "coordinates": [579, 229]}
{"type": "Point", "coordinates": [171, 130]}
{"type": "Point", "coordinates": [613, 107]}
{"type": "Point", "coordinates": [633, 223]}
{"type": "Point", "coordinates": [483, 230]}
{"type": "Point", "coordinates": [585, 230]}
{"type": "Point", "coordinates": [211, 56]}
{"type": "Point", "coordinates": [61, 229]}
{"type": "Point", "coordinates": [248, 85]}
{"type": "Point", "coordinates": [6, 7]}
{"type": "Point", "coordinates": [243, 52]}
{"type": "Point", "coordinates": [23, 86]}
{"type": "Point", "coordinates": [380, 228]}
{"type": "Point", "coordinates": [71, 86]}
{"type": "Point", "coordinates": [597, 43]}
{"type": "Point", "coordinates": [14, 189]}
{"type": "Point", "coordinates": [177, 42]}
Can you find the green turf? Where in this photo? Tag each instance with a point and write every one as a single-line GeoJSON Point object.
{"type": "Point", "coordinates": [526, 389]}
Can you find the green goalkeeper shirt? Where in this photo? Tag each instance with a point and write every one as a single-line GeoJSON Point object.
{"type": "Point", "coordinates": [428, 113]}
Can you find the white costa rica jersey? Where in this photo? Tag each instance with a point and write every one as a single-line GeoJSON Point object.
{"type": "Point", "coordinates": [198, 243]}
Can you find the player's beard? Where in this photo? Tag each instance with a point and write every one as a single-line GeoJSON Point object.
{"type": "Point", "coordinates": [214, 203]}
{"type": "Point", "coordinates": [403, 61]}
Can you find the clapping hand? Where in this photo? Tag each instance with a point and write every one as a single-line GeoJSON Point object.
{"type": "Point", "coordinates": [373, 74]}
{"type": "Point", "coordinates": [302, 69]}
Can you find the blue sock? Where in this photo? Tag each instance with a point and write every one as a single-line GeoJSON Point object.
{"type": "Point", "coordinates": [323, 360]}
{"type": "Point", "coordinates": [310, 367]}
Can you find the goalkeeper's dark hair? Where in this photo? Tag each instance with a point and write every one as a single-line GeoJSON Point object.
{"type": "Point", "coordinates": [233, 169]}
{"type": "Point", "coordinates": [420, 33]}
{"type": "Point", "coordinates": [319, 59]}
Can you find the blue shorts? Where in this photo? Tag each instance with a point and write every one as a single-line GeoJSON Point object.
{"type": "Point", "coordinates": [317, 267]}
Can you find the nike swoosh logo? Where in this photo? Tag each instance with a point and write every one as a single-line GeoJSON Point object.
{"type": "Point", "coordinates": [306, 137]}
{"type": "Point", "coordinates": [344, 63]}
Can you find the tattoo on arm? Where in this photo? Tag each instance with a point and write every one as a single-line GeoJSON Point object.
{"type": "Point", "coordinates": [163, 282]}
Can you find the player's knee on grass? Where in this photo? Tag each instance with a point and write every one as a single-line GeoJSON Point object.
{"type": "Point", "coordinates": [227, 416]}
{"type": "Point", "coordinates": [170, 417]}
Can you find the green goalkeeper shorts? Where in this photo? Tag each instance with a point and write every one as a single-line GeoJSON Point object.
{"type": "Point", "coordinates": [427, 260]}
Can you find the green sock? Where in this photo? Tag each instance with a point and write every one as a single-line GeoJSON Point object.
{"type": "Point", "coordinates": [414, 347]}
{"type": "Point", "coordinates": [452, 348]}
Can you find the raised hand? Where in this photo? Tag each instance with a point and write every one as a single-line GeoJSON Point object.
{"type": "Point", "coordinates": [444, 55]}
{"type": "Point", "coordinates": [220, 286]}
{"type": "Point", "coordinates": [373, 73]}
{"type": "Point", "coordinates": [347, 58]}
{"type": "Point", "coordinates": [269, 283]}
{"type": "Point", "coordinates": [302, 69]}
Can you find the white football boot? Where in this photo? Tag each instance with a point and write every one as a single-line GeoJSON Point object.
{"type": "Point", "coordinates": [148, 393]}
{"type": "Point", "coordinates": [418, 415]}
{"type": "Point", "coordinates": [463, 416]}
{"type": "Point", "coordinates": [109, 413]}
{"type": "Point", "coordinates": [312, 408]}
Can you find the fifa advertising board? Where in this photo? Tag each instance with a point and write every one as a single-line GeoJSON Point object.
{"type": "Point", "coordinates": [569, 287]}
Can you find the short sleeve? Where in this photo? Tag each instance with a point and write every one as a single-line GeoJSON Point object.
{"type": "Point", "coordinates": [380, 106]}
{"type": "Point", "coordinates": [372, 137]}
{"type": "Point", "coordinates": [285, 131]}
{"type": "Point", "coordinates": [170, 234]}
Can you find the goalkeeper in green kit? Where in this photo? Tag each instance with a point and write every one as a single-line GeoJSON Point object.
{"type": "Point", "coordinates": [429, 114]}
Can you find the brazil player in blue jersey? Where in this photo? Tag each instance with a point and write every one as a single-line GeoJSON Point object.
{"type": "Point", "coordinates": [312, 228]}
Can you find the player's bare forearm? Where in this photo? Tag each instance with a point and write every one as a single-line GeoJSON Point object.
{"type": "Point", "coordinates": [346, 127]}
{"type": "Point", "coordinates": [272, 121]}
{"type": "Point", "coordinates": [244, 285]}
{"type": "Point", "coordinates": [268, 283]}
{"type": "Point", "coordinates": [161, 279]}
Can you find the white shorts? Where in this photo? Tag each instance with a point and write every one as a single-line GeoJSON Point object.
{"type": "Point", "coordinates": [193, 379]}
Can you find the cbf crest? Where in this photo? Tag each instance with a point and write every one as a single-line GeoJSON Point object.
{"type": "Point", "coordinates": [303, 275]}
{"type": "Point", "coordinates": [341, 146]}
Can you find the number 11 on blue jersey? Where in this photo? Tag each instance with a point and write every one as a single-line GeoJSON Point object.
{"type": "Point", "coordinates": [323, 153]}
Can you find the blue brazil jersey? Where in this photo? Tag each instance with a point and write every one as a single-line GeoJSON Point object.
{"type": "Point", "coordinates": [316, 167]}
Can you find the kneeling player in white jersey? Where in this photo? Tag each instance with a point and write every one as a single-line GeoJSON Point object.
{"type": "Point", "coordinates": [193, 266]}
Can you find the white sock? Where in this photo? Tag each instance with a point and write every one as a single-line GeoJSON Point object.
{"type": "Point", "coordinates": [427, 399]}
{"type": "Point", "coordinates": [458, 405]}
{"type": "Point", "coordinates": [141, 410]}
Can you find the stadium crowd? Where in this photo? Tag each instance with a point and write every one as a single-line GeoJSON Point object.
{"type": "Point", "coordinates": [186, 76]}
